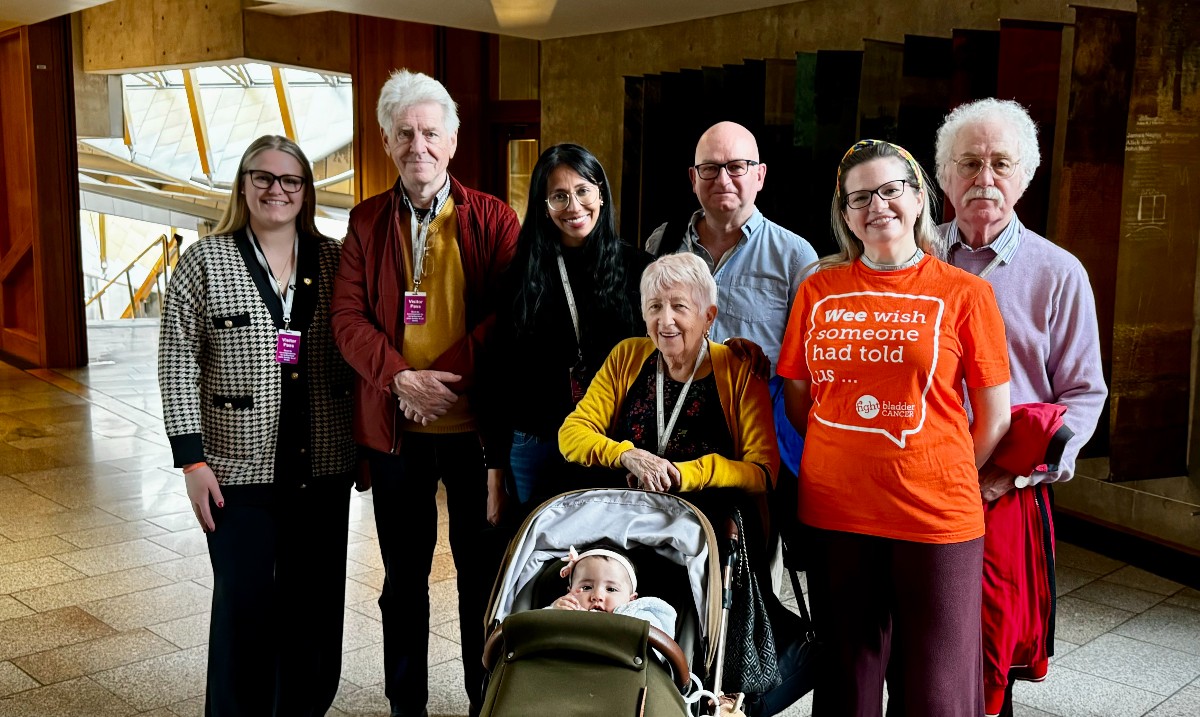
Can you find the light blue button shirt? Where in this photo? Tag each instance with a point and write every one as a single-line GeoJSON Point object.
{"type": "Point", "coordinates": [756, 280]}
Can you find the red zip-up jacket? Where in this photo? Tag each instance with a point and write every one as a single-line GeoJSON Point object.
{"type": "Point", "coordinates": [369, 291]}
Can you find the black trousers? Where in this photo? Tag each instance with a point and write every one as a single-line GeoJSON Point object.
{"type": "Point", "coordinates": [406, 515]}
{"type": "Point", "coordinates": [279, 591]}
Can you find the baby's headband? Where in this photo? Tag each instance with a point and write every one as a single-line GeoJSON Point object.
{"type": "Point", "coordinates": [864, 143]}
{"type": "Point", "coordinates": [573, 558]}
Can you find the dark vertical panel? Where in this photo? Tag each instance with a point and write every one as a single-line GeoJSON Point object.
{"type": "Point", "coordinates": [1160, 219]}
{"type": "Point", "coordinates": [464, 71]}
{"type": "Point", "coordinates": [1089, 218]}
{"type": "Point", "coordinates": [976, 65]}
{"type": "Point", "coordinates": [1030, 57]}
{"type": "Point", "coordinates": [787, 166]}
{"type": "Point", "coordinates": [836, 104]}
{"type": "Point", "coordinates": [631, 163]}
{"type": "Point", "coordinates": [879, 93]}
{"type": "Point", "coordinates": [925, 100]}
{"type": "Point", "coordinates": [41, 270]}
{"type": "Point", "coordinates": [656, 126]}
{"type": "Point", "coordinates": [805, 114]}
{"type": "Point", "coordinates": [667, 175]}
{"type": "Point", "coordinates": [813, 188]}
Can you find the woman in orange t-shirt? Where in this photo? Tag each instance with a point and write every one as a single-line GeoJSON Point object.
{"type": "Point", "coordinates": [881, 340]}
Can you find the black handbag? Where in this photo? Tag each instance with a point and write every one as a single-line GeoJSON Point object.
{"type": "Point", "coordinates": [750, 659]}
{"type": "Point", "coordinates": [797, 652]}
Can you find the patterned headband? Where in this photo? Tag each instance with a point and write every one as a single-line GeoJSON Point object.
{"type": "Point", "coordinates": [863, 144]}
{"type": "Point", "coordinates": [573, 559]}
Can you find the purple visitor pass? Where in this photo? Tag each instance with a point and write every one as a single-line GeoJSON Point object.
{"type": "Point", "coordinates": [287, 347]}
{"type": "Point", "coordinates": [414, 307]}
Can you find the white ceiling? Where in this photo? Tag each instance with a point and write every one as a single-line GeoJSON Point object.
{"type": "Point", "coordinates": [536, 19]}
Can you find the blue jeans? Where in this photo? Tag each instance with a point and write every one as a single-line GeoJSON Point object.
{"type": "Point", "coordinates": [532, 467]}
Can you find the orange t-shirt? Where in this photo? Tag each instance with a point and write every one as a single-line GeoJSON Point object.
{"type": "Point", "coordinates": [888, 450]}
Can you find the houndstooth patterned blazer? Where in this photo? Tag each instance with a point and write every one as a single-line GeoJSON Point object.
{"type": "Point", "coordinates": [221, 386]}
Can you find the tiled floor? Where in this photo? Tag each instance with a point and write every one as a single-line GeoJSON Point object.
{"type": "Point", "coordinates": [105, 582]}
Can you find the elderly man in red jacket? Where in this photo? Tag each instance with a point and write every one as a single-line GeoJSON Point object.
{"type": "Point", "coordinates": [412, 310]}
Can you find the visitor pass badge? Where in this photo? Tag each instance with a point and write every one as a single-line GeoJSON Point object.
{"type": "Point", "coordinates": [414, 307]}
{"type": "Point", "coordinates": [287, 347]}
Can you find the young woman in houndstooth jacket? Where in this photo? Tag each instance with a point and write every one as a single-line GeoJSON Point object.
{"type": "Point", "coordinates": [257, 406]}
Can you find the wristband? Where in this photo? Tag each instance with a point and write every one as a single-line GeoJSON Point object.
{"type": "Point", "coordinates": [194, 467]}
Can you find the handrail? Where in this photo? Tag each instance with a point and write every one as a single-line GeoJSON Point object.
{"type": "Point", "coordinates": [161, 265]}
{"type": "Point", "coordinates": [158, 242]}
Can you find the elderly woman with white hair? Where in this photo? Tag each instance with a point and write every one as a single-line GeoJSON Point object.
{"type": "Point", "coordinates": [675, 411]}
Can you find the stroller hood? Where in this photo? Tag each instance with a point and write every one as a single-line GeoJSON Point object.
{"type": "Point", "coordinates": [667, 524]}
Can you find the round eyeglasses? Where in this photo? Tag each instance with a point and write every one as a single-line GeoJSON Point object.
{"type": "Point", "coordinates": [970, 167]}
{"type": "Point", "coordinates": [586, 195]}
{"type": "Point", "coordinates": [887, 191]}
{"type": "Point", "coordinates": [263, 179]}
{"type": "Point", "coordinates": [734, 168]}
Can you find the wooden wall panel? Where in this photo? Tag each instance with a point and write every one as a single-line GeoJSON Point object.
{"type": "Point", "coordinates": [41, 274]}
{"type": "Point", "coordinates": [1030, 58]}
{"type": "Point", "coordinates": [1088, 222]}
{"type": "Point", "coordinates": [319, 40]}
{"type": "Point", "coordinates": [378, 47]}
{"type": "Point", "coordinates": [464, 71]}
{"type": "Point", "coordinates": [1154, 318]}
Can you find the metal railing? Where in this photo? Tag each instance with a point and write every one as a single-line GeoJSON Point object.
{"type": "Point", "coordinates": [157, 277]}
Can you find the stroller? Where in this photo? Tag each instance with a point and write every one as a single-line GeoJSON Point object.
{"type": "Point", "coordinates": [566, 663]}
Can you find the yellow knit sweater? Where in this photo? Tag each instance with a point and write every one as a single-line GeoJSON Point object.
{"type": "Point", "coordinates": [745, 401]}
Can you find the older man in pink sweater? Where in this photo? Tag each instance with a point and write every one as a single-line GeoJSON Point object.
{"type": "Point", "coordinates": [987, 152]}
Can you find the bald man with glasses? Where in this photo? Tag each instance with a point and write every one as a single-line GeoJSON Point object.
{"type": "Point", "coordinates": [757, 264]}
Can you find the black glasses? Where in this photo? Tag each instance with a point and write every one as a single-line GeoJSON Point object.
{"type": "Point", "coordinates": [887, 191]}
{"type": "Point", "coordinates": [734, 168]}
{"type": "Point", "coordinates": [585, 195]}
{"type": "Point", "coordinates": [969, 167]}
{"type": "Point", "coordinates": [263, 179]}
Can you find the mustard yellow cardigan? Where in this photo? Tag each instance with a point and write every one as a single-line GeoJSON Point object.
{"type": "Point", "coordinates": [745, 400]}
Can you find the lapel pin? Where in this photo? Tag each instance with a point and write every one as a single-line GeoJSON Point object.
{"type": "Point", "coordinates": [307, 282]}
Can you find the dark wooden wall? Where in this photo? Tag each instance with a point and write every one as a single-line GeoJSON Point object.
{"type": "Point", "coordinates": [41, 273]}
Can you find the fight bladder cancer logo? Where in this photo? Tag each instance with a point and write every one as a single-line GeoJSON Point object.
{"type": "Point", "coordinates": [863, 349]}
{"type": "Point", "coordinates": [867, 406]}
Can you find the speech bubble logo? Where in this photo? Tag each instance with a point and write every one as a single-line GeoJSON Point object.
{"type": "Point", "coordinates": [872, 356]}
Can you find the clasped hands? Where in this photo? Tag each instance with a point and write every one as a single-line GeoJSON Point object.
{"type": "Point", "coordinates": [423, 395]}
{"type": "Point", "coordinates": [650, 472]}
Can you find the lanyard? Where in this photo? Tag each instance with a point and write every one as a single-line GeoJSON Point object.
{"type": "Point", "coordinates": [419, 231]}
{"type": "Point", "coordinates": [285, 296]}
{"type": "Point", "coordinates": [420, 238]}
{"type": "Point", "coordinates": [664, 432]}
{"type": "Point", "coordinates": [566, 281]}
{"type": "Point", "coordinates": [995, 262]}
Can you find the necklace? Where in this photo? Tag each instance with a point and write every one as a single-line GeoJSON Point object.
{"type": "Point", "coordinates": [911, 261]}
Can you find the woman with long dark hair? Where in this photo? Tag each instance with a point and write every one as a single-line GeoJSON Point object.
{"type": "Point", "coordinates": [570, 296]}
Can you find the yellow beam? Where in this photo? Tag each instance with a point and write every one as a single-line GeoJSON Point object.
{"type": "Point", "coordinates": [284, 96]}
{"type": "Point", "coordinates": [103, 244]}
{"type": "Point", "coordinates": [199, 125]}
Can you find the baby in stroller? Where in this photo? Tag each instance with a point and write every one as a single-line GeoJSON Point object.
{"type": "Point", "coordinates": [603, 579]}
{"type": "Point", "coordinates": [584, 662]}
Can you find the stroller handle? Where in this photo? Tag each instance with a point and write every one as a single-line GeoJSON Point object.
{"type": "Point", "coordinates": [657, 639]}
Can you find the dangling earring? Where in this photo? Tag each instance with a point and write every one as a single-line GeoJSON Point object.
{"type": "Point", "coordinates": [706, 332]}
